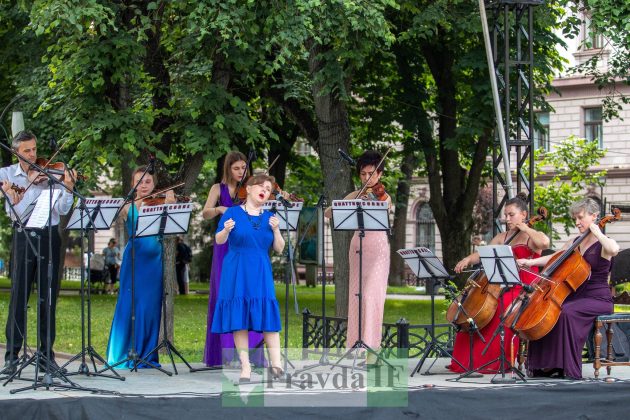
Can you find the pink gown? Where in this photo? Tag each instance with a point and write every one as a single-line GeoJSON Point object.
{"type": "Point", "coordinates": [375, 275]}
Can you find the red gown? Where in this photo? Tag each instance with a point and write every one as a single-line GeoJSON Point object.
{"type": "Point", "coordinates": [461, 346]}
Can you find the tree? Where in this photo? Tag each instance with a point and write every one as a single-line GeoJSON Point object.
{"type": "Point", "coordinates": [568, 161]}
{"type": "Point", "coordinates": [608, 19]}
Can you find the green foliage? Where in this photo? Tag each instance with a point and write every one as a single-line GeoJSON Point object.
{"type": "Point", "coordinates": [610, 19]}
{"type": "Point", "coordinates": [568, 164]}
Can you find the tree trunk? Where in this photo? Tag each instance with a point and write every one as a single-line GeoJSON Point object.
{"type": "Point", "coordinates": [398, 241]}
{"type": "Point", "coordinates": [170, 287]}
{"type": "Point", "coordinates": [334, 133]}
{"type": "Point", "coordinates": [453, 188]}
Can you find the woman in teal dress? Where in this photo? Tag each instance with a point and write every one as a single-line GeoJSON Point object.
{"type": "Point", "coordinates": [147, 287]}
{"type": "Point", "coordinates": [247, 299]}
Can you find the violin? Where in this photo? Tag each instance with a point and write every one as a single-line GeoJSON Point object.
{"type": "Point", "coordinates": [159, 199]}
{"type": "Point", "coordinates": [375, 193]}
{"type": "Point", "coordinates": [58, 169]}
{"type": "Point", "coordinates": [16, 188]}
{"type": "Point", "coordinates": [241, 192]}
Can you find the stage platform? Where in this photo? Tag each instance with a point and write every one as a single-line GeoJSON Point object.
{"type": "Point", "coordinates": [318, 393]}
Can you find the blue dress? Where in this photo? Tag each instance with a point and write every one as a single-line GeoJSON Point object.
{"type": "Point", "coordinates": [148, 299]}
{"type": "Point", "coordinates": [247, 298]}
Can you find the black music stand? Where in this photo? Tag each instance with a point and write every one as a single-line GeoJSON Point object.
{"type": "Point", "coordinates": [166, 219]}
{"type": "Point", "coordinates": [361, 216]}
{"type": "Point", "coordinates": [39, 218]}
{"type": "Point", "coordinates": [288, 214]}
{"type": "Point", "coordinates": [500, 267]}
{"type": "Point", "coordinates": [92, 214]}
{"type": "Point", "coordinates": [425, 265]}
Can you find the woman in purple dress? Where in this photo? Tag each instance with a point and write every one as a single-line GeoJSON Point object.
{"type": "Point", "coordinates": [220, 347]}
{"type": "Point", "coordinates": [559, 353]}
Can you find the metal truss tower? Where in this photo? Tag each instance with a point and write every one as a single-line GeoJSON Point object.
{"type": "Point", "coordinates": [512, 37]}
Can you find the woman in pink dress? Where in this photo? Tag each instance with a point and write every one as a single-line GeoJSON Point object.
{"type": "Point", "coordinates": [375, 268]}
{"type": "Point", "coordinates": [527, 244]}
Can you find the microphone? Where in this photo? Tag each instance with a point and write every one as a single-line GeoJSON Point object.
{"type": "Point", "coordinates": [286, 203]}
{"type": "Point", "coordinates": [151, 169]}
{"type": "Point", "coordinates": [346, 157]}
{"type": "Point", "coordinates": [53, 144]}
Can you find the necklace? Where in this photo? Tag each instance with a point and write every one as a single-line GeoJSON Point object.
{"type": "Point", "coordinates": [255, 223]}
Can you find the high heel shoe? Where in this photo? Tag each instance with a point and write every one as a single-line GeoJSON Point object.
{"type": "Point", "coordinates": [245, 379]}
{"type": "Point", "coordinates": [275, 372]}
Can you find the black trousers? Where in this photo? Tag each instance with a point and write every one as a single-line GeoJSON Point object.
{"type": "Point", "coordinates": [180, 271]}
{"type": "Point", "coordinates": [24, 276]}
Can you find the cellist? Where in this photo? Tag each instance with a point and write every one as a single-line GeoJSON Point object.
{"type": "Point", "coordinates": [559, 353]}
{"type": "Point", "coordinates": [526, 243]}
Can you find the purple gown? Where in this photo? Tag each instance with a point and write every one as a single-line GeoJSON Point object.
{"type": "Point", "coordinates": [220, 347]}
{"type": "Point", "coordinates": [562, 347]}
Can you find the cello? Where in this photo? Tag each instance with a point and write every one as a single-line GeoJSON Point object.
{"type": "Point", "coordinates": [480, 299]}
{"type": "Point", "coordinates": [561, 276]}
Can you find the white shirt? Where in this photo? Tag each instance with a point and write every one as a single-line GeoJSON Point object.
{"type": "Point", "coordinates": [17, 176]}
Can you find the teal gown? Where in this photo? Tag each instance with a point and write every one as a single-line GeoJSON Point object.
{"type": "Point", "coordinates": [148, 300]}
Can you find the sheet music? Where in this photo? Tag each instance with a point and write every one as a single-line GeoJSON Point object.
{"type": "Point", "coordinates": [375, 215]}
{"type": "Point", "coordinates": [176, 222]}
{"type": "Point", "coordinates": [432, 266]}
{"type": "Point", "coordinates": [28, 211]}
{"type": "Point", "coordinates": [100, 219]}
{"type": "Point", "coordinates": [293, 213]}
{"type": "Point", "coordinates": [498, 259]}
{"type": "Point", "coordinates": [41, 213]}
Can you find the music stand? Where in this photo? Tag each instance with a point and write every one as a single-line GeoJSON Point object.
{"type": "Point", "coordinates": [165, 219]}
{"type": "Point", "coordinates": [500, 267]}
{"type": "Point", "coordinates": [292, 213]}
{"type": "Point", "coordinates": [361, 216]}
{"type": "Point", "coordinates": [92, 214]}
{"type": "Point", "coordinates": [425, 265]}
{"type": "Point", "coordinates": [288, 214]}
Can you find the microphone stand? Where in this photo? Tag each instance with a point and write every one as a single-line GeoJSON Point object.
{"type": "Point", "coordinates": [321, 206]}
{"type": "Point", "coordinates": [19, 228]}
{"type": "Point", "coordinates": [289, 277]}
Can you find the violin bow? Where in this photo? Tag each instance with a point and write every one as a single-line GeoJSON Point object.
{"type": "Point", "coordinates": [364, 187]}
{"type": "Point", "coordinates": [172, 187]}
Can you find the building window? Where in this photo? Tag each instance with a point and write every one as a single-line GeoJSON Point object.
{"type": "Point", "coordinates": [592, 39]}
{"type": "Point", "coordinates": [425, 227]}
{"type": "Point", "coordinates": [593, 125]}
{"type": "Point", "coordinates": [541, 131]}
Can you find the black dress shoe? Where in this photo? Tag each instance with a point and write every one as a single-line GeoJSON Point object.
{"type": "Point", "coordinates": [10, 367]}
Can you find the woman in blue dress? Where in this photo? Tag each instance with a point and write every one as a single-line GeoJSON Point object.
{"type": "Point", "coordinates": [147, 286]}
{"type": "Point", "coordinates": [247, 299]}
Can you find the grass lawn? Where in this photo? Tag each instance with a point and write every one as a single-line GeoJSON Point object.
{"type": "Point", "coordinates": [190, 317]}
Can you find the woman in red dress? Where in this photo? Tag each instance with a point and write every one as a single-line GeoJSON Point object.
{"type": "Point", "coordinates": [528, 243]}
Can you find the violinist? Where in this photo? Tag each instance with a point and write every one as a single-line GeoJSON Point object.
{"type": "Point", "coordinates": [147, 285]}
{"type": "Point", "coordinates": [559, 353]}
{"type": "Point", "coordinates": [376, 258]}
{"type": "Point", "coordinates": [526, 242]}
{"type": "Point", "coordinates": [23, 277]}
